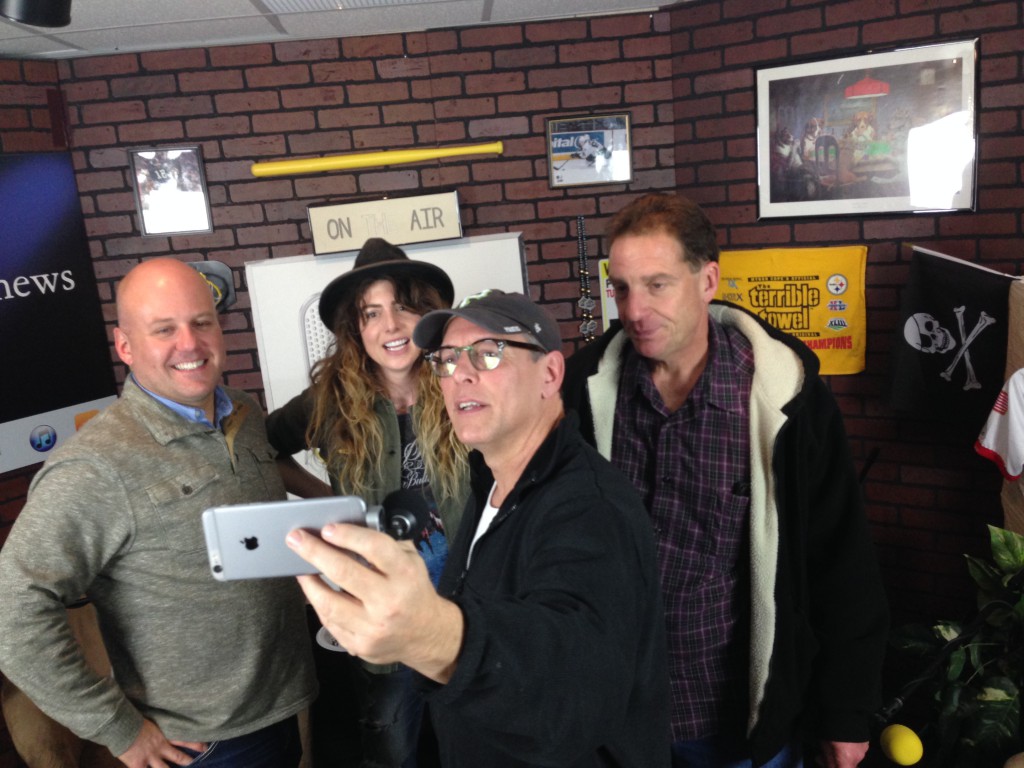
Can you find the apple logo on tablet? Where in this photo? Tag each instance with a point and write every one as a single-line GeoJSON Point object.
{"type": "Point", "coordinates": [251, 542]}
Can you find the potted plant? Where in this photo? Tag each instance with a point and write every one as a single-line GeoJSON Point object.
{"type": "Point", "coordinates": [973, 670]}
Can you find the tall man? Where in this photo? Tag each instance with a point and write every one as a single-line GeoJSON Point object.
{"type": "Point", "coordinates": [544, 643]}
{"type": "Point", "coordinates": [115, 514]}
{"type": "Point", "coordinates": [776, 613]}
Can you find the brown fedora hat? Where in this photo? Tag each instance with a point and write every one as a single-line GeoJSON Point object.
{"type": "Point", "coordinates": [380, 259]}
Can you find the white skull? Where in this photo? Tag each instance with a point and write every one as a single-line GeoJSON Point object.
{"type": "Point", "coordinates": [923, 332]}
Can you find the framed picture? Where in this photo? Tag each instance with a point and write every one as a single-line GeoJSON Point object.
{"type": "Point", "coordinates": [170, 190]}
{"type": "Point", "coordinates": [878, 133]}
{"type": "Point", "coordinates": [589, 149]}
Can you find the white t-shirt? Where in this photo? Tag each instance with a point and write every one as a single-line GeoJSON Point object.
{"type": "Point", "coordinates": [489, 513]}
{"type": "Point", "coordinates": [1002, 438]}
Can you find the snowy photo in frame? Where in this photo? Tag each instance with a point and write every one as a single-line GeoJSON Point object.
{"type": "Point", "coordinates": [589, 149]}
{"type": "Point", "coordinates": [170, 190]}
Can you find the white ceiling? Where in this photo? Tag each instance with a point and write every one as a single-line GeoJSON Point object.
{"type": "Point", "coordinates": [117, 26]}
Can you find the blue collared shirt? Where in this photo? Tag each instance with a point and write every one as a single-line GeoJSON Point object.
{"type": "Point", "coordinates": [222, 406]}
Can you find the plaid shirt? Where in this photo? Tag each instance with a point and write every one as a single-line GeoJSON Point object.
{"type": "Point", "coordinates": [692, 469]}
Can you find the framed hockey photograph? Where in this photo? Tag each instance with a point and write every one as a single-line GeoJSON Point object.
{"type": "Point", "coordinates": [589, 149]}
{"type": "Point", "coordinates": [887, 132]}
{"type": "Point", "coordinates": [170, 190]}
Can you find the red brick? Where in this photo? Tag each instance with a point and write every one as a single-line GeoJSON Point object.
{"type": "Point", "coordinates": [858, 11]}
{"type": "Point", "coordinates": [819, 43]}
{"type": "Point", "coordinates": [278, 233]}
{"type": "Point", "coordinates": [768, 51]}
{"type": "Point", "coordinates": [211, 80]}
{"type": "Point", "coordinates": [377, 92]}
{"type": "Point", "coordinates": [343, 72]}
{"type": "Point", "coordinates": [285, 122]}
{"type": "Point", "coordinates": [138, 133]}
{"type": "Point", "coordinates": [325, 96]}
{"type": "Point", "coordinates": [646, 47]}
{"type": "Point", "coordinates": [899, 31]}
{"type": "Point", "coordinates": [501, 82]}
{"type": "Point", "coordinates": [40, 72]}
{"type": "Point", "coordinates": [217, 126]}
{"type": "Point", "coordinates": [372, 47]}
{"type": "Point", "coordinates": [320, 142]}
{"type": "Point", "coordinates": [389, 181]}
{"type": "Point", "coordinates": [409, 112]}
{"type": "Point", "coordinates": [621, 72]}
{"type": "Point", "coordinates": [527, 103]}
{"type": "Point", "coordinates": [525, 58]}
{"type": "Point", "coordinates": [156, 61]}
{"type": "Point", "coordinates": [349, 117]}
{"type": "Point", "coordinates": [574, 53]}
{"type": "Point", "coordinates": [269, 77]}
{"type": "Point", "coordinates": [257, 146]}
{"type": "Point", "coordinates": [241, 55]}
{"type": "Point", "coordinates": [479, 61]}
{"type": "Point", "coordinates": [103, 66]}
{"type": "Point", "coordinates": [435, 41]}
{"type": "Point", "coordinates": [89, 90]}
{"type": "Point", "coordinates": [980, 17]}
{"type": "Point", "coordinates": [788, 24]}
{"type": "Point", "coordinates": [10, 71]}
{"type": "Point", "coordinates": [392, 69]}
{"type": "Point", "coordinates": [592, 98]}
{"type": "Point", "coordinates": [996, 97]}
{"type": "Point", "coordinates": [724, 35]}
{"type": "Point", "coordinates": [390, 137]}
{"type": "Point", "coordinates": [13, 119]}
{"type": "Point", "coordinates": [437, 88]}
{"type": "Point", "coordinates": [557, 78]}
{"type": "Point", "coordinates": [307, 50]}
{"type": "Point", "coordinates": [180, 106]}
{"type": "Point", "coordinates": [490, 36]}
{"type": "Point", "coordinates": [624, 26]}
{"type": "Point", "coordinates": [462, 108]}
{"type": "Point", "coordinates": [557, 31]}
{"type": "Point", "coordinates": [247, 101]}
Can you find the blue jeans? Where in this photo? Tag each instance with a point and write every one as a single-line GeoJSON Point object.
{"type": "Point", "coordinates": [276, 746]}
{"type": "Point", "coordinates": [715, 752]}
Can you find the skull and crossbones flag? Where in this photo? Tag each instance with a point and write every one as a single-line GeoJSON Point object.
{"type": "Point", "coordinates": [950, 347]}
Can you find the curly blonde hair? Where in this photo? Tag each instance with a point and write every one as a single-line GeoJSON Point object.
{"type": "Point", "coordinates": [345, 385]}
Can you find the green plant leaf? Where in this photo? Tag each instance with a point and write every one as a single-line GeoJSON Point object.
{"type": "Point", "coordinates": [1007, 549]}
{"type": "Point", "coordinates": [985, 574]}
{"type": "Point", "coordinates": [955, 664]}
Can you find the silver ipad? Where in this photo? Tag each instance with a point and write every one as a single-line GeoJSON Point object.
{"type": "Point", "coordinates": [246, 541]}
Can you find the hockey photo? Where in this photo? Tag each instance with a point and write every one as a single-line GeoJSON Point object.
{"type": "Point", "coordinates": [589, 149]}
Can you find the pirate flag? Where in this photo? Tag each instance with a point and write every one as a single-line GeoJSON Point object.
{"type": "Point", "coordinates": [950, 347]}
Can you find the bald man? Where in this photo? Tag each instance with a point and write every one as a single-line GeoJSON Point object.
{"type": "Point", "coordinates": [115, 514]}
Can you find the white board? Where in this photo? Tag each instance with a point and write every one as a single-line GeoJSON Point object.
{"type": "Point", "coordinates": [285, 293]}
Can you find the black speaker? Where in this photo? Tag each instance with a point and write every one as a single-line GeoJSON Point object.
{"type": "Point", "coordinates": [38, 13]}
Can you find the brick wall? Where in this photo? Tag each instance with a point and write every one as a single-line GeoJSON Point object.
{"type": "Point", "coordinates": [686, 76]}
{"type": "Point", "coordinates": [929, 495]}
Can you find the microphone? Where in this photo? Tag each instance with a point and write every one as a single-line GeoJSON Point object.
{"type": "Point", "coordinates": [404, 513]}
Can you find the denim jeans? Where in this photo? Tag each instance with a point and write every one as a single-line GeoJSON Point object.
{"type": "Point", "coordinates": [276, 746]}
{"type": "Point", "coordinates": [714, 752]}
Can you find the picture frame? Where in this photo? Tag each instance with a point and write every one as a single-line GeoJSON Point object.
{"type": "Point", "coordinates": [891, 132]}
{"type": "Point", "coordinates": [589, 149]}
{"type": "Point", "coordinates": [170, 190]}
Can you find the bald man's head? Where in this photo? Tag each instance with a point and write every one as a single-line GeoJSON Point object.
{"type": "Point", "coordinates": [168, 332]}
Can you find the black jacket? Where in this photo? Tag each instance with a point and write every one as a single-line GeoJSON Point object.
{"type": "Point", "coordinates": [563, 660]}
{"type": "Point", "coordinates": [819, 666]}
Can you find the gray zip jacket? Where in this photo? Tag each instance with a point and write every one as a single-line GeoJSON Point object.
{"type": "Point", "coordinates": [115, 514]}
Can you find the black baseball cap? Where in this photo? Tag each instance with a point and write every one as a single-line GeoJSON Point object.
{"type": "Point", "coordinates": [380, 259]}
{"type": "Point", "coordinates": [494, 311]}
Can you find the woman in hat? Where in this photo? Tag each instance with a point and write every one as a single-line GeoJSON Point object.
{"type": "Point", "coordinates": [375, 416]}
